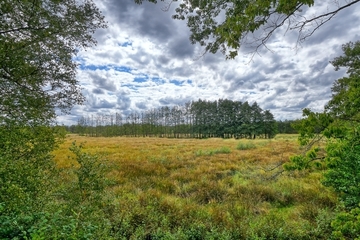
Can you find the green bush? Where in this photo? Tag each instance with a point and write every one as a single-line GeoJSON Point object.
{"type": "Point", "coordinates": [347, 225]}
{"type": "Point", "coordinates": [245, 146]}
{"type": "Point", "coordinates": [35, 203]}
{"type": "Point", "coordinates": [222, 150]}
{"type": "Point", "coordinates": [27, 175]}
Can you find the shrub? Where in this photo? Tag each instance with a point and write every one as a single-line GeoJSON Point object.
{"type": "Point", "coordinates": [245, 146]}
{"type": "Point", "coordinates": [347, 225]}
{"type": "Point", "coordinates": [222, 150]}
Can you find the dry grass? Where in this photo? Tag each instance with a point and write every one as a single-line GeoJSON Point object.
{"type": "Point", "coordinates": [179, 183]}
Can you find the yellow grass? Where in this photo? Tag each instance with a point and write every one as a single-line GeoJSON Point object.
{"type": "Point", "coordinates": [189, 180]}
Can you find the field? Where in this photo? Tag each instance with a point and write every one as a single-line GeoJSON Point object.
{"type": "Point", "coordinates": [160, 188]}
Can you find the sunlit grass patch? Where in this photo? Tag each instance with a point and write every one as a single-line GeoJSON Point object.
{"type": "Point", "coordinates": [205, 189]}
{"type": "Point", "coordinates": [245, 146]}
{"type": "Point", "coordinates": [222, 150]}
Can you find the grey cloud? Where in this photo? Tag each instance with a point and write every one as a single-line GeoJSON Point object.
{"type": "Point", "coordinates": [303, 103]}
{"type": "Point", "coordinates": [286, 76]}
{"type": "Point", "coordinates": [246, 82]}
{"type": "Point", "coordinates": [280, 90]}
{"type": "Point", "coordinates": [277, 65]}
{"type": "Point", "coordinates": [337, 28]}
{"type": "Point", "coordinates": [113, 55]}
{"type": "Point", "coordinates": [93, 102]}
{"type": "Point", "coordinates": [269, 104]}
{"type": "Point", "coordinates": [163, 60]}
{"type": "Point", "coordinates": [98, 91]}
{"type": "Point", "coordinates": [240, 85]}
{"type": "Point", "coordinates": [154, 27]}
{"type": "Point", "coordinates": [229, 76]}
{"type": "Point", "coordinates": [173, 100]}
{"type": "Point", "coordinates": [104, 104]}
{"type": "Point", "coordinates": [141, 57]}
{"type": "Point", "coordinates": [183, 71]}
{"type": "Point", "coordinates": [141, 105]}
{"type": "Point", "coordinates": [298, 87]}
{"type": "Point", "coordinates": [123, 102]}
{"type": "Point", "coordinates": [264, 88]}
{"type": "Point", "coordinates": [278, 69]}
{"type": "Point", "coordinates": [319, 65]}
{"type": "Point", "coordinates": [102, 82]}
{"type": "Point", "coordinates": [212, 60]}
{"type": "Point", "coordinates": [140, 18]}
{"type": "Point", "coordinates": [181, 47]}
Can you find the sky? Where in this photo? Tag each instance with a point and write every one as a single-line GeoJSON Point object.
{"type": "Point", "coordinates": [144, 60]}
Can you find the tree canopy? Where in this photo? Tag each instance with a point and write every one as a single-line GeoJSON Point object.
{"type": "Point", "coordinates": [339, 126]}
{"type": "Point", "coordinates": [197, 119]}
{"type": "Point", "coordinates": [38, 42]}
{"type": "Point", "coordinates": [226, 25]}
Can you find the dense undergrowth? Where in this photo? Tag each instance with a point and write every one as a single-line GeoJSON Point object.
{"type": "Point", "coordinates": [150, 188]}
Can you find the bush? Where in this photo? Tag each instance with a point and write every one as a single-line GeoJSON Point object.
{"type": "Point", "coordinates": [27, 176]}
{"type": "Point", "coordinates": [222, 150]}
{"type": "Point", "coordinates": [347, 225]}
{"type": "Point", "coordinates": [245, 146]}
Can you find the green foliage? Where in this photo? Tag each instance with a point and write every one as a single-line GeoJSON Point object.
{"type": "Point", "coordinates": [197, 119]}
{"type": "Point", "coordinates": [36, 56]}
{"type": "Point", "coordinates": [345, 101]}
{"type": "Point", "coordinates": [26, 165]}
{"type": "Point", "coordinates": [347, 225]}
{"type": "Point", "coordinates": [77, 210]}
{"type": "Point", "coordinates": [286, 126]}
{"type": "Point", "coordinates": [344, 167]}
{"type": "Point", "coordinates": [312, 126]}
{"type": "Point", "coordinates": [90, 174]}
{"type": "Point", "coordinates": [245, 146]}
{"type": "Point", "coordinates": [308, 161]}
{"type": "Point", "coordinates": [225, 26]}
{"type": "Point", "coordinates": [27, 176]}
{"type": "Point", "coordinates": [33, 205]}
{"type": "Point", "coordinates": [339, 124]}
{"type": "Point", "coordinates": [38, 42]}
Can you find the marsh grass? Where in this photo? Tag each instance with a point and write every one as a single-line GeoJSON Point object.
{"type": "Point", "coordinates": [207, 189]}
{"type": "Point", "coordinates": [245, 146]}
{"type": "Point", "coordinates": [222, 150]}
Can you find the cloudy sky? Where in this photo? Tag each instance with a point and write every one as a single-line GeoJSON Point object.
{"type": "Point", "coordinates": [144, 60]}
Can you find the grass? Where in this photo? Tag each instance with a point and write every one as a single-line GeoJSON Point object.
{"type": "Point", "coordinates": [245, 146]}
{"type": "Point", "coordinates": [208, 189]}
{"type": "Point", "coordinates": [222, 150]}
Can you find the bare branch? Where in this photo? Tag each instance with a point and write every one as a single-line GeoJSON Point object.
{"type": "Point", "coordinates": [329, 15]}
{"type": "Point", "coordinates": [167, 6]}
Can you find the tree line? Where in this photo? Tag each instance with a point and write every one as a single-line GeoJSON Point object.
{"type": "Point", "coordinates": [197, 119]}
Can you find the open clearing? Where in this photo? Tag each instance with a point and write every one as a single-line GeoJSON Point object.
{"type": "Point", "coordinates": [183, 188]}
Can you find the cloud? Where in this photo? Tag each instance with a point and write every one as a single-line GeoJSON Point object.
{"type": "Point", "coordinates": [166, 101]}
{"type": "Point", "coordinates": [104, 104]}
{"type": "Point", "coordinates": [102, 82]}
{"type": "Point", "coordinates": [141, 105]}
{"type": "Point", "coordinates": [123, 101]}
{"type": "Point", "coordinates": [144, 60]}
{"type": "Point", "coordinates": [98, 91]}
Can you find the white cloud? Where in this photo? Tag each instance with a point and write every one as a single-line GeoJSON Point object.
{"type": "Point", "coordinates": [145, 60]}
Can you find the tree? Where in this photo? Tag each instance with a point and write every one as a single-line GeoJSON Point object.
{"type": "Point", "coordinates": [39, 40]}
{"type": "Point", "coordinates": [339, 124]}
{"type": "Point", "coordinates": [38, 43]}
{"type": "Point", "coordinates": [345, 102]}
{"type": "Point", "coordinates": [257, 120]}
{"type": "Point", "coordinates": [270, 125]}
{"type": "Point", "coordinates": [226, 25]}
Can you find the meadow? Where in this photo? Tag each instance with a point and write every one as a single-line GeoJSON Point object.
{"type": "Point", "coordinates": [163, 188]}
